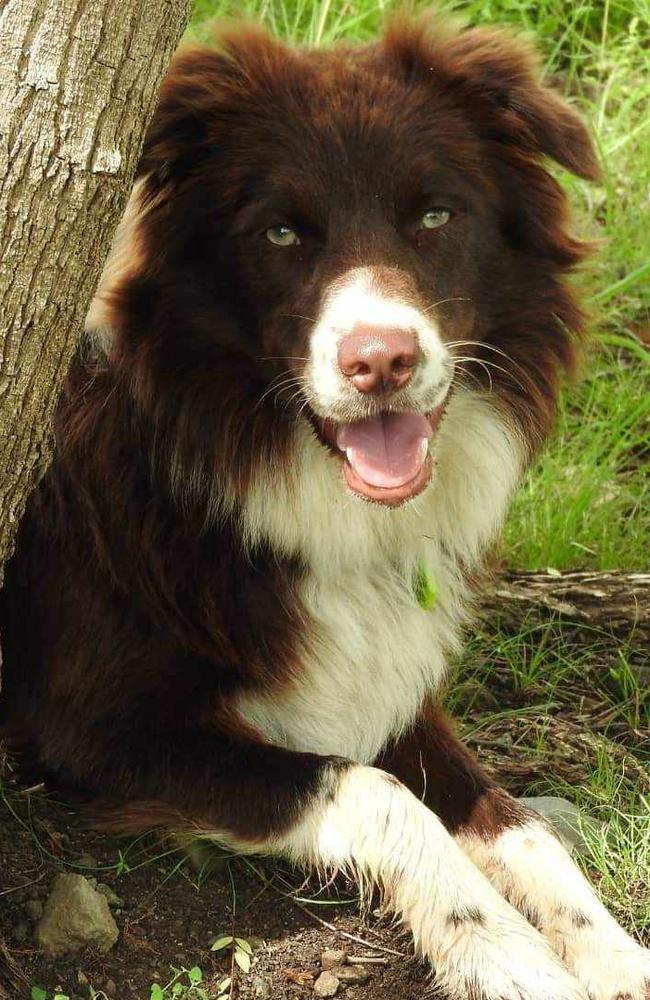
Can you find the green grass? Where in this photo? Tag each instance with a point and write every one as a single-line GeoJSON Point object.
{"type": "Point", "coordinates": [557, 710]}
{"type": "Point", "coordinates": [586, 503]}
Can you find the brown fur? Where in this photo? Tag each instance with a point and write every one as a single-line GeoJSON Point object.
{"type": "Point", "coordinates": [132, 613]}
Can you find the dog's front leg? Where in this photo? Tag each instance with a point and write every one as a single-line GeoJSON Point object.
{"type": "Point", "coordinates": [479, 946]}
{"type": "Point", "coordinates": [334, 814]}
{"type": "Point", "coordinates": [522, 858]}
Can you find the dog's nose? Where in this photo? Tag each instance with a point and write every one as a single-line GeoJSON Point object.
{"type": "Point", "coordinates": [376, 359]}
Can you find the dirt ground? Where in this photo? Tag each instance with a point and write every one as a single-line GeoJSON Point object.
{"type": "Point", "coordinates": [170, 910]}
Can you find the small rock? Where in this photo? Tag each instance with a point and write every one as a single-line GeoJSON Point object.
{"type": "Point", "coordinates": [75, 916]}
{"type": "Point", "coordinates": [351, 975]}
{"type": "Point", "coordinates": [565, 819]}
{"type": "Point", "coordinates": [330, 959]}
{"type": "Point", "coordinates": [110, 988]}
{"type": "Point", "coordinates": [326, 985]}
{"type": "Point", "coordinates": [110, 896]}
{"type": "Point", "coordinates": [34, 909]}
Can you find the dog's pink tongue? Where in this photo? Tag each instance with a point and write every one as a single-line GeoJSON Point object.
{"type": "Point", "coordinates": [388, 450]}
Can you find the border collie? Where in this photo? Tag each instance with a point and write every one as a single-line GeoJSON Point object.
{"type": "Point", "coordinates": [325, 346]}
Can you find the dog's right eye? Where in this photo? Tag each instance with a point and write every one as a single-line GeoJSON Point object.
{"type": "Point", "coordinates": [282, 236]}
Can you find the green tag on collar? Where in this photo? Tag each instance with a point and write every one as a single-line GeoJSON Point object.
{"type": "Point", "coordinates": [424, 587]}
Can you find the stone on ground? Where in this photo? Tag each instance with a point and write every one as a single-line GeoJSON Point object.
{"type": "Point", "coordinates": [326, 985]}
{"type": "Point", "coordinates": [75, 916]}
{"type": "Point", "coordinates": [331, 958]}
{"type": "Point", "coordinates": [351, 975]}
{"type": "Point", "coordinates": [565, 819]}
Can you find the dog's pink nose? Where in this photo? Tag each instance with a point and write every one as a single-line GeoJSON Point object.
{"type": "Point", "coordinates": [376, 359]}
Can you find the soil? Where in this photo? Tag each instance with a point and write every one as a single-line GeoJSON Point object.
{"type": "Point", "coordinates": [172, 908]}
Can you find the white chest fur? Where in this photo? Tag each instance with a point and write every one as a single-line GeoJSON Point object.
{"type": "Point", "coordinates": [369, 653]}
{"type": "Point", "coordinates": [368, 656]}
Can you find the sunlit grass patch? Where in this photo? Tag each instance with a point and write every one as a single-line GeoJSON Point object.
{"type": "Point", "coordinates": [586, 502]}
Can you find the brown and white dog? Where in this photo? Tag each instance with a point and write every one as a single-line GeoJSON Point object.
{"type": "Point", "coordinates": [326, 344]}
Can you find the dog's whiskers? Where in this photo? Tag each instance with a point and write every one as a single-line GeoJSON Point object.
{"type": "Point", "coordinates": [278, 385]}
{"type": "Point", "coordinates": [309, 319]}
{"type": "Point", "coordinates": [441, 302]}
{"type": "Point", "coordinates": [484, 366]}
{"type": "Point", "coordinates": [280, 357]}
{"type": "Point", "coordinates": [487, 365]}
{"type": "Point", "coordinates": [461, 377]}
{"type": "Point", "coordinates": [489, 347]}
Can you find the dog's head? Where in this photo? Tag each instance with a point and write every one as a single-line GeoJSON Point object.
{"type": "Point", "coordinates": [346, 236]}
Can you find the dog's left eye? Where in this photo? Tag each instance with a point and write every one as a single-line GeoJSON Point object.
{"type": "Point", "coordinates": [435, 218]}
{"type": "Point", "coordinates": [282, 236]}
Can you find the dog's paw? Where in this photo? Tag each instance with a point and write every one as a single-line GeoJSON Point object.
{"type": "Point", "coordinates": [531, 869]}
{"type": "Point", "coordinates": [616, 969]}
{"type": "Point", "coordinates": [507, 966]}
{"type": "Point", "coordinates": [508, 982]}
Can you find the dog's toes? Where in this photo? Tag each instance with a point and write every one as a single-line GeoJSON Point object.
{"type": "Point", "coordinates": [622, 975]}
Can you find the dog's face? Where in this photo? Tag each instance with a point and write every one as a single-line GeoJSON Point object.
{"type": "Point", "coordinates": [368, 227]}
{"type": "Point", "coordinates": [362, 242]}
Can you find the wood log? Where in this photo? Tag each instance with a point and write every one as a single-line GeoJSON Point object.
{"type": "Point", "coordinates": [613, 602]}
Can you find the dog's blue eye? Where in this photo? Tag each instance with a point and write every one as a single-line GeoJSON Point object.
{"type": "Point", "coordinates": [435, 218]}
{"type": "Point", "coordinates": [282, 236]}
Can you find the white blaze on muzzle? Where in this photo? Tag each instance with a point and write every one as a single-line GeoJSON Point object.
{"type": "Point", "coordinates": [383, 420]}
{"type": "Point", "coordinates": [357, 299]}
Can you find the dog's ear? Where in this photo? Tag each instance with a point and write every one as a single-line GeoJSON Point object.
{"type": "Point", "coordinates": [497, 76]}
{"type": "Point", "coordinates": [205, 84]}
{"type": "Point", "coordinates": [186, 103]}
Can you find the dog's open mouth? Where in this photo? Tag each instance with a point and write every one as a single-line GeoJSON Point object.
{"type": "Point", "coordinates": [386, 458]}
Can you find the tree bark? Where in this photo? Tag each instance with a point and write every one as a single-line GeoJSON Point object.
{"type": "Point", "coordinates": [78, 83]}
{"type": "Point", "coordinates": [618, 603]}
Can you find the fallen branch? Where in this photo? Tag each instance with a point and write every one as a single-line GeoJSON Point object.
{"type": "Point", "coordinates": [345, 934]}
{"type": "Point", "coordinates": [615, 603]}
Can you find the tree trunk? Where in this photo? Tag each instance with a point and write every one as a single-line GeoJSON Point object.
{"type": "Point", "coordinates": [617, 603]}
{"type": "Point", "coordinates": [78, 83]}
